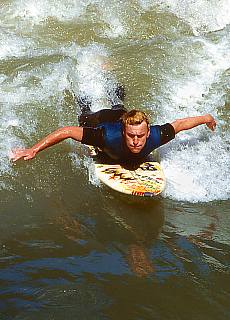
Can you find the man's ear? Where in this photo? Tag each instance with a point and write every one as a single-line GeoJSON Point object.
{"type": "Point", "coordinates": [148, 132]}
{"type": "Point", "coordinates": [123, 130]}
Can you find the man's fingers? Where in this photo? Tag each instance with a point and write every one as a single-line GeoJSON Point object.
{"type": "Point", "coordinates": [212, 125]}
{"type": "Point", "coordinates": [28, 157]}
{"type": "Point", "coordinates": [14, 155]}
{"type": "Point", "coordinates": [20, 153]}
{"type": "Point", "coordinates": [15, 159]}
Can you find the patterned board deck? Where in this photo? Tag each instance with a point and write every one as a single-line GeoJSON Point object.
{"type": "Point", "coordinates": [147, 180]}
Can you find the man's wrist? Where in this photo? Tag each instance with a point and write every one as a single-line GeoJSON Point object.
{"type": "Point", "coordinates": [208, 118]}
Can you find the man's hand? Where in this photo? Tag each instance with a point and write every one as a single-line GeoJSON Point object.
{"type": "Point", "coordinates": [211, 123]}
{"type": "Point", "coordinates": [26, 154]}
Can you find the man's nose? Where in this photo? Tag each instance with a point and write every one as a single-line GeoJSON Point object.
{"type": "Point", "coordinates": [135, 140]}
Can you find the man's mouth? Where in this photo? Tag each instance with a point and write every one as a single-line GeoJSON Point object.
{"type": "Point", "coordinates": [135, 148]}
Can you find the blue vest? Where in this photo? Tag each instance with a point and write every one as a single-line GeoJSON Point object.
{"type": "Point", "coordinates": [115, 146]}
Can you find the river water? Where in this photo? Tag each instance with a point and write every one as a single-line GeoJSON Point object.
{"type": "Point", "coordinates": [70, 248]}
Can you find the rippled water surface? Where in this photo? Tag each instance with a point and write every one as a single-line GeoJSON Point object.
{"type": "Point", "coordinates": [70, 248]}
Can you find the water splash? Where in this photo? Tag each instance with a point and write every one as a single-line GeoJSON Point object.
{"type": "Point", "coordinates": [196, 164]}
{"type": "Point", "coordinates": [198, 172]}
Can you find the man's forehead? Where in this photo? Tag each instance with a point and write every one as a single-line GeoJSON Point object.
{"type": "Point", "coordinates": [142, 127]}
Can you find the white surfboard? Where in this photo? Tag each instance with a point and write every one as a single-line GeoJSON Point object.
{"type": "Point", "coordinates": [147, 180]}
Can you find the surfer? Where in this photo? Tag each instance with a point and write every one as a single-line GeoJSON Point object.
{"type": "Point", "coordinates": [120, 134]}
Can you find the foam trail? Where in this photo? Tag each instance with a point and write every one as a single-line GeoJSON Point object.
{"type": "Point", "coordinates": [94, 80]}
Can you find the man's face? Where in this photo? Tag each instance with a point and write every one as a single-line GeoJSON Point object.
{"type": "Point", "coordinates": [135, 136]}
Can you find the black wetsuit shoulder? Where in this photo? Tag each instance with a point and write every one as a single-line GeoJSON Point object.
{"type": "Point", "coordinates": [93, 137]}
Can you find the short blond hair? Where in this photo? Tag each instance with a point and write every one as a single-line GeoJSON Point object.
{"type": "Point", "coordinates": [134, 117]}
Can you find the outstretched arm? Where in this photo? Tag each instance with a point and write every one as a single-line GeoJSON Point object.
{"type": "Point", "coordinates": [53, 138]}
{"type": "Point", "coordinates": [192, 122]}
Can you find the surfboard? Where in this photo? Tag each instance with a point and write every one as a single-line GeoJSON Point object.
{"type": "Point", "coordinates": [146, 180]}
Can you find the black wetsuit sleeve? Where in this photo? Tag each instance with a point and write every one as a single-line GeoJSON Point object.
{"type": "Point", "coordinates": [93, 137]}
{"type": "Point", "coordinates": [167, 133]}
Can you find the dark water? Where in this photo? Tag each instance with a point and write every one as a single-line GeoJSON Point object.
{"type": "Point", "coordinates": [70, 248]}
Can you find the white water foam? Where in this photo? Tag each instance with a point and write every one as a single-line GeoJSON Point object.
{"type": "Point", "coordinates": [94, 78]}
{"type": "Point", "coordinates": [197, 162]}
{"type": "Point", "coordinates": [29, 93]}
{"type": "Point", "coordinates": [91, 77]}
{"type": "Point", "coordinates": [199, 172]}
{"type": "Point", "coordinates": [203, 16]}
{"type": "Point", "coordinates": [12, 45]}
{"type": "Point", "coordinates": [31, 13]}
{"type": "Point", "coordinates": [112, 13]}
{"type": "Point", "coordinates": [34, 12]}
